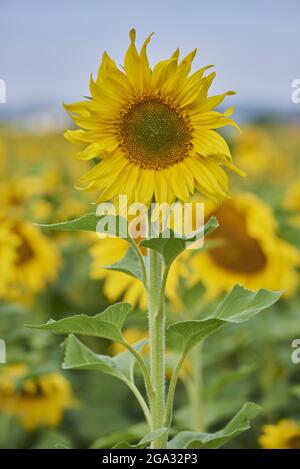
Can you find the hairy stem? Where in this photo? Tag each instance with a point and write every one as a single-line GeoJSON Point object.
{"type": "Point", "coordinates": [195, 388]}
{"type": "Point", "coordinates": [140, 400]}
{"type": "Point", "coordinates": [156, 310]}
{"type": "Point", "coordinates": [171, 392]}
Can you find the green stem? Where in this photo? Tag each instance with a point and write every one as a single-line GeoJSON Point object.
{"type": "Point", "coordinates": [156, 310]}
{"type": "Point", "coordinates": [146, 374]}
{"type": "Point", "coordinates": [140, 400]}
{"type": "Point", "coordinates": [171, 392]}
{"type": "Point", "coordinates": [195, 388]}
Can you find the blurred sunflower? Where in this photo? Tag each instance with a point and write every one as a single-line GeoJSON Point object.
{"type": "Point", "coordinates": [154, 130]}
{"type": "Point", "coordinates": [30, 260]}
{"type": "Point", "coordinates": [35, 402]}
{"type": "Point", "coordinates": [292, 199]}
{"type": "Point", "coordinates": [17, 193]}
{"type": "Point", "coordinates": [8, 246]}
{"type": "Point", "coordinates": [257, 152]}
{"type": "Point", "coordinates": [283, 435]}
{"type": "Point", "coordinates": [118, 284]}
{"type": "Point", "coordinates": [249, 251]}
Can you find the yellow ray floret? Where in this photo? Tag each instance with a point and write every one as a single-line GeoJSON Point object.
{"type": "Point", "coordinates": [283, 435]}
{"type": "Point", "coordinates": [37, 402]}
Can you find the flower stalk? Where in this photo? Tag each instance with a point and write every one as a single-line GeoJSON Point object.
{"type": "Point", "coordinates": [156, 311]}
{"type": "Point", "coordinates": [195, 389]}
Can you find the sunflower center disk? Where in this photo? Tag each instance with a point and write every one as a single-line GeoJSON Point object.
{"type": "Point", "coordinates": [24, 251]}
{"type": "Point", "coordinates": [154, 134]}
{"type": "Point", "coordinates": [240, 253]}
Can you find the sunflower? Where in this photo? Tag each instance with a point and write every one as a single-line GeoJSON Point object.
{"type": "Point", "coordinates": [35, 402]}
{"type": "Point", "coordinates": [153, 129]}
{"type": "Point", "coordinates": [30, 260]}
{"type": "Point", "coordinates": [259, 154]}
{"type": "Point", "coordinates": [247, 250]}
{"type": "Point", "coordinates": [8, 246]}
{"type": "Point", "coordinates": [15, 193]}
{"type": "Point", "coordinates": [292, 200]}
{"type": "Point", "coordinates": [283, 435]}
{"type": "Point", "coordinates": [118, 284]}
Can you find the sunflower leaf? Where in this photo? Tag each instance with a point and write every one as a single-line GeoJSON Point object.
{"type": "Point", "coordinates": [197, 440]}
{"type": "Point", "coordinates": [129, 434]}
{"type": "Point", "coordinates": [79, 357]}
{"type": "Point", "coordinates": [129, 265]}
{"type": "Point", "coordinates": [169, 245]}
{"type": "Point", "coordinates": [238, 306]}
{"type": "Point", "coordinates": [107, 325]}
{"type": "Point", "coordinates": [144, 442]}
{"type": "Point", "coordinates": [107, 224]}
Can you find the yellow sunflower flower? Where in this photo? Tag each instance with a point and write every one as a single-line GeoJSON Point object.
{"type": "Point", "coordinates": [154, 130]}
{"type": "Point", "coordinates": [30, 261]}
{"type": "Point", "coordinates": [8, 246]}
{"type": "Point", "coordinates": [249, 251]}
{"type": "Point", "coordinates": [292, 200]}
{"type": "Point", "coordinates": [259, 154]}
{"type": "Point", "coordinates": [118, 284]}
{"type": "Point", "coordinates": [36, 402]}
{"type": "Point", "coordinates": [283, 435]}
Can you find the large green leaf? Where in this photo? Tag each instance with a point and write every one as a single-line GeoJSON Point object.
{"type": "Point", "coordinates": [238, 306]}
{"type": "Point", "coordinates": [197, 440]}
{"type": "Point", "coordinates": [241, 304]}
{"type": "Point", "coordinates": [144, 442]}
{"type": "Point", "coordinates": [91, 222]}
{"type": "Point", "coordinates": [130, 434]}
{"type": "Point", "coordinates": [170, 246]}
{"type": "Point", "coordinates": [87, 222]}
{"type": "Point", "coordinates": [107, 325]}
{"type": "Point", "coordinates": [130, 265]}
{"type": "Point", "coordinates": [78, 356]}
{"type": "Point", "coordinates": [52, 439]}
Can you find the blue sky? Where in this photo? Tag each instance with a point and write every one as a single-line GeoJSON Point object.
{"type": "Point", "coordinates": [48, 49]}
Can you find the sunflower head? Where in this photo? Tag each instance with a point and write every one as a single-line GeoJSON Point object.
{"type": "Point", "coordinates": [245, 250]}
{"type": "Point", "coordinates": [29, 262]}
{"type": "Point", "coordinates": [154, 130]}
{"type": "Point", "coordinates": [283, 435]}
{"type": "Point", "coordinates": [35, 402]}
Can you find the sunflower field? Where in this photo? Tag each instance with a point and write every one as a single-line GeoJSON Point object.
{"type": "Point", "coordinates": [137, 342]}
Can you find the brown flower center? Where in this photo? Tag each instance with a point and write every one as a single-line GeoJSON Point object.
{"type": "Point", "coordinates": [24, 251]}
{"type": "Point", "coordinates": [294, 442]}
{"type": "Point", "coordinates": [240, 252]}
{"type": "Point", "coordinates": [154, 133]}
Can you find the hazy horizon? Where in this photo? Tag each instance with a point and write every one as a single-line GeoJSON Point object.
{"type": "Point", "coordinates": [49, 50]}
